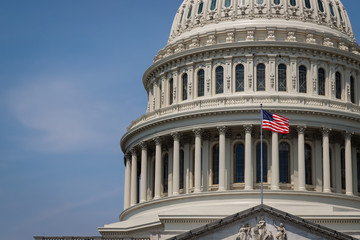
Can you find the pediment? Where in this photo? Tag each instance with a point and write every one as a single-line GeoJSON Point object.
{"type": "Point", "coordinates": [262, 223]}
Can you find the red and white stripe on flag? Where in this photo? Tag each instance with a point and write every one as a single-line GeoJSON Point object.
{"type": "Point", "coordinates": [275, 123]}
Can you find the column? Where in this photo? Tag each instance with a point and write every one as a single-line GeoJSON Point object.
{"type": "Point", "coordinates": [348, 165]}
{"type": "Point", "coordinates": [275, 166]}
{"type": "Point", "coordinates": [134, 177]}
{"type": "Point", "coordinates": [176, 163]}
{"type": "Point", "coordinates": [197, 185]}
{"type": "Point", "coordinates": [170, 171]}
{"type": "Point", "coordinates": [222, 163]}
{"type": "Point", "coordinates": [127, 182]}
{"type": "Point", "coordinates": [157, 168]}
{"type": "Point", "coordinates": [301, 157]}
{"type": "Point", "coordinates": [248, 162]}
{"type": "Point", "coordinates": [144, 169]}
{"type": "Point", "coordinates": [326, 161]}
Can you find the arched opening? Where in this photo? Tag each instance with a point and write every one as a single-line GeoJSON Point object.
{"type": "Point", "coordinates": [302, 79]}
{"type": "Point", "coordinates": [321, 81]}
{"type": "Point", "coordinates": [260, 77]}
{"type": "Point", "coordinates": [258, 163]}
{"type": "Point", "coordinates": [165, 172]}
{"type": "Point", "coordinates": [338, 85]}
{"type": "Point", "coordinates": [181, 170]}
{"type": "Point", "coordinates": [239, 75]}
{"type": "Point", "coordinates": [184, 87]}
{"type": "Point", "coordinates": [282, 78]}
{"type": "Point", "coordinates": [219, 80]}
{"type": "Point", "coordinates": [171, 91]}
{"type": "Point", "coordinates": [239, 163]}
{"type": "Point", "coordinates": [215, 165]}
{"type": "Point", "coordinates": [284, 162]}
{"type": "Point", "coordinates": [200, 80]}
{"type": "Point", "coordinates": [308, 164]}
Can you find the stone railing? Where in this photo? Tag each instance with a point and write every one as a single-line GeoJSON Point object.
{"type": "Point", "coordinates": [248, 101]}
{"type": "Point", "coordinates": [85, 238]}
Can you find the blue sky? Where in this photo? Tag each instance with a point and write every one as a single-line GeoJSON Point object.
{"type": "Point", "coordinates": [71, 82]}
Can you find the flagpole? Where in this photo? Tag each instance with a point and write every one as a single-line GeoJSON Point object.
{"type": "Point", "coordinates": [261, 157]}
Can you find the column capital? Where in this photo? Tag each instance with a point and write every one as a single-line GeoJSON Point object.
{"type": "Point", "coordinates": [157, 140]}
{"type": "Point", "coordinates": [133, 151]}
{"type": "Point", "coordinates": [222, 129]}
{"type": "Point", "coordinates": [326, 131]}
{"type": "Point", "coordinates": [248, 128]}
{"type": "Point", "coordinates": [300, 129]}
{"type": "Point", "coordinates": [348, 134]}
{"type": "Point", "coordinates": [176, 135]}
{"type": "Point", "coordinates": [143, 145]}
{"type": "Point", "coordinates": [127, 155]}
{"type": "Point", "coordinates": [198, 132]}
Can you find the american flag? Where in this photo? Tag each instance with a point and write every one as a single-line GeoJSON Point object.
{"type": "Point", "coordinates": [274, 122]}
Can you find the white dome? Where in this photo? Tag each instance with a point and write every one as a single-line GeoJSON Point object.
{"type": "Point", "coordinates": [194, 16]}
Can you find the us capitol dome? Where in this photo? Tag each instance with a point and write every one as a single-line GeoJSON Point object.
{"type": "Point", "coordinates": [194, 157]}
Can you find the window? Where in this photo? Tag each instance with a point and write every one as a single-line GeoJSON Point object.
{"type": "Point", "coordinates": [201, 6]}
{"type": "Point", "coordinates": [302, 79]}
{"type": "Point", "coordinates": [338, 85]}
{"type": "Point", "coordinates": [239, 163]}
{"type": "Point", "coordinates": [182, 15]}
{"type": "Point", "coordinates": [282, 78]}
{"type": "Point", "coordinates": [321, 6]}
{"type": "Point", "coordinates": [201, 78]}
{"type": "Point", "coordinates": [258, 162]}
{"type": "Point", "coordinates": [260, 2]}
{"type": "Point", "coordinates": [284, 162]}
{"type": "Point", "coordinates": [293, 3]}
{"type": "Point", "coordinates": [331, 9]}
{"type": "Point", "coordinates": [189, 13]}
{"type": "Point", "coordinates": [213, 5]}
{"type": "Point", "coordinates": [343, 180]}
{"type": "Point", "coordinates": [181, 170]}
{"type": "Point", "coordinates": [219, 80]}
{"type": "Point", "coordinates": [215, 165]}
{"type": "Point", "coordinates": [227, 3]}
{"type": "Point", "coordinates": [352, 89]}
{"type": "Point", "coordinates": [321, 82]}
{"type": "Point", "coordinates": [171, 91]}
{"type": "Point", "coordinates": [260, 75]}
{"type": "Point", "coordinates": [239, 72]}
{"type": "Point", "coordinates": [307, 4]}
{"type": "Point", "coordinates": [276, 2]}
{"type": "Point", "coordinates": [166, 169]}
{"type": "Point", "coordinates": [308, 164]}
{"type": "Point", "coordinates": [340, 15]}
{"type": "Point", "coordinates": [184, 86]}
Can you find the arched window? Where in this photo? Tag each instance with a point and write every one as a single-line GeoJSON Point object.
{"type": "Point", "coordinates": [200, 80]}
{"type": "Point", "coordinates": [239, 78]}
{"type": "Point", "coordinates": [182, 15]}
{"type": "Point", "coordinates": [302, 79]}
{"type": "Point", "coordinates": [189, 13]}
{"type": "Point", "coordinates": [276, 2]}
{"type": "Point", "coordinates": [219, 80]}
{"type": "Point", "coordinates": [331, 9]}
{"type": "Point", "coordinates": [293, 3]}
{"type": "Point", "coordinates": [343, 178]}
{"type": "Point", "coordinates": [227, 3]}
{"type": "Point", "coordinates": [171, 91]}
{"type": "Point", "coordinates": [215, 165]}
{"type": "Point", "coordinates": [307, 4]}
{"type": "Point", "coordinates": [308, 164]}
{"type": "Point", "coordinates": [284, 162]}
{"type": "Point", "coordinates": [165, 172]}
{"type": "Point", "coordinates": [239, 163]}
{"type": "Point", "coordinates": [213, 5]}
{"type": "Point", "coordinates": [340, 15]}
{"type": "Point", "coordinates": [321, 81]}
{"type": "Point", "coordinates": [181, 170]}
{"type": "Point", "coordinates": [260, 77]}
{"type": "Point", "coordinates": [352, 89]}
{"type": "Point", "coordinates": [184, 86]}
{"type": "Point", "coordinates": [258, 162]}
{"type": "Point", "coordinates": [321, 6]}
{"type": "Point", "coordinates": [282, 78]}
{"type": "Point", "coordinates": [338, 85]}
{"type": "Point", "coordinates": [201, 6]}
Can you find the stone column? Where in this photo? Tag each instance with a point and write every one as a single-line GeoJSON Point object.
{"type": "Point", "coordinates": [348, 165]}
{"type": "Point", "coordinates": [326, 161]}
{"type": "Point", "coordinates": [275, 166]}
{"type": "Point", "coordinates": [158, 167]}
{"type": "Point", "coordinates": [144, 169]}
{"type": "Point", "coordinates": [134, 177]}
{"type": "Point", "coordinates": [127, 182]}
{"type": "Point", "coordinates": [197, 187]}
{"type": "Point", "coordinates": [170, 171]}
{"type": "Point", "coordinates": [176, 163]}
{"type": "Point", "coordinates": [301, 157]}
{"type": "Point", "coordinates": [248, 160]}
{"type": "Point", "coordinates": [222, 163]}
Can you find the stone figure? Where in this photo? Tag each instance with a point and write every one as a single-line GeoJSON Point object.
{"type": "Point", "coordinates": [244, 232]}
{"type": "Point", "coordinates": [260, 232]}
{"type": "Point", "coordinates": [281, 232]}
